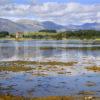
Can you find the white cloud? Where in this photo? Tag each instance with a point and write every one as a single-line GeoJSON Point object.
{"type": "Point", "coordinates": [3, 2]}
{"type": "Point", "coordinates": [59, 12]}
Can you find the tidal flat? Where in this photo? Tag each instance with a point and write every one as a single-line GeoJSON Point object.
{"type": "Point", "coordinates": [28, 71]}
{"type": "Point", "coordinates": [36, 68]}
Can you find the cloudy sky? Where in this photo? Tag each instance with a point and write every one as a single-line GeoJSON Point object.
{"type": "Point", "coordinates": [59, 11]}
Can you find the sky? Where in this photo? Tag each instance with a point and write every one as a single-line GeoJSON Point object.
{"type": "Point", "coordinates": [59, 11]}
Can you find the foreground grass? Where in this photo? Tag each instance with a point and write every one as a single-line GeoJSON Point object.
{"type": "Point", "coordinates": [11, 97]}
{"type": "Point", "coordinates": [15, 68]}
{"type": "Point", "coordinates": [94, 68]}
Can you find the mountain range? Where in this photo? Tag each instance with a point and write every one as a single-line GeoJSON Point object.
{"type": "Point", "coordinates": [26, 25]}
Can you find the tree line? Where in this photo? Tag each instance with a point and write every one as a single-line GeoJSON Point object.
{"type": "Point", "coordinates": [80, 34]}
{"type": "Point", "coordinates": [53, 34]}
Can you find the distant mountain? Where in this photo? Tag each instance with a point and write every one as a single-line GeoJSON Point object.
{"type": "Point", "coordinates": [86, 26]}
{"type": "Point", "coordinates": [52, 26]}
{"type": "Point", "coordinates": [8, 25]}
{"type": "Point", "coordinates": [31, 25]}
{"type": "Point", "coordinates": [41, 25]}
{"type": "Point", "coordinates": [95, 26]}
{"type": "Point", "coordinates": [26, 25]}
{"type": "Point", "coordinates": [28, 22]}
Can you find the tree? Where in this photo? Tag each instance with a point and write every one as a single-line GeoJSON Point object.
{"type": "Point", "coordinates": [4, 33]}
{"type": "Point", "coordinates": [49, 31]}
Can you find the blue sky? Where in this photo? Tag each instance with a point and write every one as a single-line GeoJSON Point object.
{"type": "Point", "coordinates": [59, 11]}
{"type": "Point", "coordinates": [60, 1]}
{"type": "Point", "coordinates": [80, 1]}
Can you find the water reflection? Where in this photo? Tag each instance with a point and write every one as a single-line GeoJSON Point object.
{"type": "Point", "coordinates": [37, 50]}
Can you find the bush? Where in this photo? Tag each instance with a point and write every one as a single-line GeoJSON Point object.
{"type": "Point", "coordinates": [4, 33]}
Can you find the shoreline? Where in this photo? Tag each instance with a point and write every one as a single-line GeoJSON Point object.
{"type": "Point", "coordinates": [97, 39]}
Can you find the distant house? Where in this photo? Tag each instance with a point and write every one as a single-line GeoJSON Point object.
{"type": "Point", "coordinates": [19, 35]}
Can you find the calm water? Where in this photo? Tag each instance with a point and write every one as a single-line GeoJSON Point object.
{"type": "Point", "coordinates": [24, 83]}
{"type": "Point", "coordinates": [59, 50]}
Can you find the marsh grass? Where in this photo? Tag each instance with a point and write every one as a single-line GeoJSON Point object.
{"type": "Point", "coordinates": [58, 63]}
{"type": "Point", "coordinates": [86, 93]}
{"type": "Point", "coordinates": [15, 68]}
{"type": "Point", "coordinates": [11, 97]}
{"type": "Point", "coordinates": [61, 72]}
{"type": "Point", "coordinates": [21, 63]}
{"type": "Point", "coordinates": [71, 48]}
{"type": "Point", "coordinates": [18, 66]}
{"type": "Point", "coordinates": [93, 68]}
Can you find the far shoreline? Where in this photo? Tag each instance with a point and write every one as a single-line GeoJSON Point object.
{"type": "Point", "coordinates": [96, 41]}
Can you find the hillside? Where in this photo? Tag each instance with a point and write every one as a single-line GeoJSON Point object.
{"type": "Point", "coordinates": [26, 25]}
